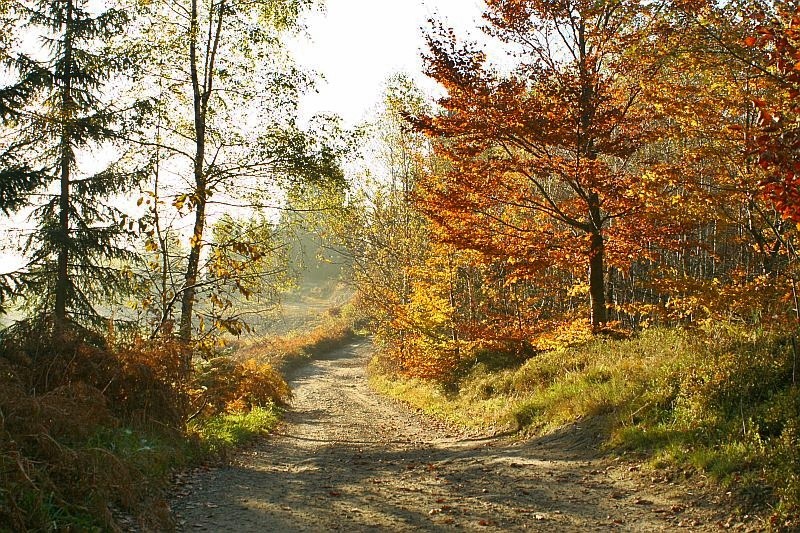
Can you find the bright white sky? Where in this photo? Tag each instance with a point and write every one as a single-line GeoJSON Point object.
{"type": "Point", "coordinates": [358, 44]}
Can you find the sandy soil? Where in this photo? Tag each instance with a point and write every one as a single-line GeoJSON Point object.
{"type": "Point", "coordinates": [346, 459]}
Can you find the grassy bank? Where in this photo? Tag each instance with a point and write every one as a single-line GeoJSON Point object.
{"type": "Point", "coordinates": [223, 433]}
{"type": "Point", "coordinates": [722, 401]}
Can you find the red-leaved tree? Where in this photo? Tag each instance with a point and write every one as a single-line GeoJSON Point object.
{"type": "Point", "coordinates": [542, 167]}
{"type": "Point", "coordinates": [778, 144]}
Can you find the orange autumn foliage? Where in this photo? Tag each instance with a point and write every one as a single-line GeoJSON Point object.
{"type": "Point", "coordinates": [776, 39]}
{"type": "Point", "coordinates": [226, 385]}
{"type": "Point", "coordinates": [619, 148]}
{"type": "Point", "coordinates": [542, 167]}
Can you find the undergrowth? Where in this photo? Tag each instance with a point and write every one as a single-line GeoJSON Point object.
{"type": "Point", "coordinates": [90, 433]}
{"type": "Point", "coordinates": [722, 400]}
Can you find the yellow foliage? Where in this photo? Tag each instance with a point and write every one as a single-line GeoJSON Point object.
{"type": "Point", "coordinates": [566, 335]}
{"type": "Point", "coordinates": [226, 385]}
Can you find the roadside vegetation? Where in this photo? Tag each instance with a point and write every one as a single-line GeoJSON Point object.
{"type": "Point", "coordinates": [288, 351]}
{"type": "Point", "coordinates": [98, 439]}
{"type": "Point", "coordinates": [114, 370]}
{"type": "Point", "coordinates": [721, 401]}
{"type": "Point", "coordinates": [98, 443]}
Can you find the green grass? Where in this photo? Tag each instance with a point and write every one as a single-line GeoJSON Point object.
{"type": "Point", "coordinates": [225, 432]}
{"type": "Point", "coordinates": [719, 401]}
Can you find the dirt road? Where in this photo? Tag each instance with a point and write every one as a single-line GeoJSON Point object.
{"type": "Point", "coordinates": [348, 460]}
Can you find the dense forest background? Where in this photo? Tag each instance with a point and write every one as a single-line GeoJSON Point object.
{"type": "Point", "coordinates": [620, 198]}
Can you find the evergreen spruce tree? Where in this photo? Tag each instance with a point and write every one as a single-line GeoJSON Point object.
{"type": "Point", "coordinates": [17, 177]}
{"type": "Point", "coordinates": [74, 254]}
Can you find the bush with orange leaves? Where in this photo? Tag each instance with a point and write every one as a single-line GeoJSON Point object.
{"type": "Point", "coordinates": [223, 385]}
{"type": "Point", "coordinates": [86, 427]}
{"type": "Point", "coordinates": [151, 382]}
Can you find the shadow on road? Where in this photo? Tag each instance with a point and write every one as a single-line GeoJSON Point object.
{"type": "Point", "coordinates": [345, 459]}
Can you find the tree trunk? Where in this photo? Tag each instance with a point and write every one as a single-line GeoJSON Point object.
{"type": "Point", "coordinates": [199, 100]}
{"type": "Point", "coordinates": [193, 264]}
{"type": "Point", "coordinates": [453, 319]}
{"type": "Point", "coordinates": [597, 293]}
{"type": "Point", "coordinates": [190, 280]}
{"type": "Point", "coordinates": [62, 274]}
{"type": "Point", "coordinates": [597, 245]}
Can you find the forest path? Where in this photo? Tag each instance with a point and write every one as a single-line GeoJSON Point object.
{"type": "Point", "coordinates": [347, 459]}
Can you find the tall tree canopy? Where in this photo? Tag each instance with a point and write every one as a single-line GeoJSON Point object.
{"type": "Point", "coordinates": [776, 38]}
{"type": "Point", "coordinates": [542, 158]}
{"type": "Point", "coordinates": [226, 126]}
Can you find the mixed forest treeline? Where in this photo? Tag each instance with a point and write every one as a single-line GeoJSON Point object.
{"type": "Point", "coordinates": [636, 167]}
{"type": "Point", "coordinates": [600, 224]}
{"type": "Point", "coordinates": [188, 111]}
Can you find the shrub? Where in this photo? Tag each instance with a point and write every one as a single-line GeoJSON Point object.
{"type": "Point", "coordinates": [150, 383]}
{"type": "Point", "coordinates": [86, 428]}
{"type": "Point", "coordinates": [229, 386]}
{"type": "Point", "coordinates": [50, 476]}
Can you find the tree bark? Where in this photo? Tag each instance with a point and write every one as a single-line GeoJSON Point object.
{"type": "Point", "coordinates": [202, 87]}
{"type": "Point", "coordinates": [597, 248]}
{"type": "Point", "coordinates": [62, 275]}
{"type": "Point", "coordinates": [597, 290]}
{"type": "Point", "coordinates": [192, 267]}
{"type": "Point", "coordinates": [597, 293]}
{"type": "Point", "coordinates": [190, 280]}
